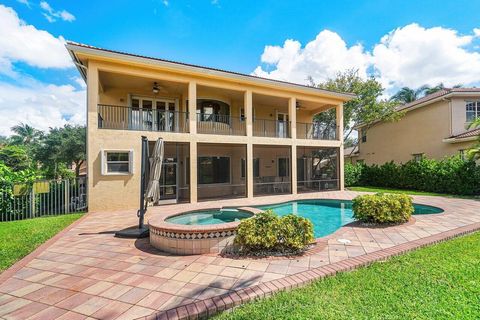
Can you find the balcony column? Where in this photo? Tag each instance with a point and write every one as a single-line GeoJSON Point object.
{"type": "Point", "coordinates": [248, 108]}
{"type": "Point", "coordinates": [339, 119]}
{"type": "Point", "coordinates": [292, 114]}
{"type": "Point", "coordinates": [192, 106]}
{"type": "Point", "coordinates": [93, 149]}
{"type": "Point", "coordinates": [193, 172]}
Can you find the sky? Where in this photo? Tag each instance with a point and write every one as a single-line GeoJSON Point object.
{"type": "Point", "coordinates": [401, 43]}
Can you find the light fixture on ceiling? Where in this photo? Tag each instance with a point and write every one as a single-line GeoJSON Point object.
{"type": "Point", "coordinates": [298, 105]}
{"type": "Point", "coordinates": [155, 88]}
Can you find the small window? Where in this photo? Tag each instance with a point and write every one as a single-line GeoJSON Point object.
{"type": "Point", "coordinates": [462, 152]}
{"type": "Point", "coordinates": [417, 157]}
{"type": "Point", "coordinates": [116, 162]}
{"type": "Point", "coordinates": [256, 168]}
{"type": "Point", "coordinates": [364, 135]}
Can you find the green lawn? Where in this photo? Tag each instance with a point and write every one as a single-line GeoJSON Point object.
{"type": "Point", "coordinates": [19, 238]}
{"type": "Point", "coordinates": [411, 192]}
{"type": "Point", "coordinates": [437, 282]}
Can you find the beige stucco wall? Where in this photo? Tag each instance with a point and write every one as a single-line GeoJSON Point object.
{"type": "Point", "coordinates": [114, 192]}
{"type": "Point", "coordinates": [420, 131]}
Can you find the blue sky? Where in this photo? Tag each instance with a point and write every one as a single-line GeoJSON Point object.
{"type": "Point", "coordinates": [233, 35]}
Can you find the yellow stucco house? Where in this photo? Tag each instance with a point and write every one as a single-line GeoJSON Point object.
{"type": "Point", "coordinates": [434, 126]}
{"type": "Point", "coordinates": [227, 135]}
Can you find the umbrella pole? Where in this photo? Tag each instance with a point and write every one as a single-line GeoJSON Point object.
{"type": "Point", "coordinates": [143, 178]}
{"type": "Point", "coordinates": [141, 231]}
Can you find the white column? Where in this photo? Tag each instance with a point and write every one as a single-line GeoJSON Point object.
{"type": "Point", "coordinates": [249, 164]}
{"type": "Point", "coordinates": [93, 169]}
{"type": "Point", "coordinates": [292, 114]}
{"type": "Point", "coordinates": [248, 107]}
{"type": "Point", "coordinates": [193, 172]}
{"type": "Point", "coordinates": [192, 106]}
{"type": "Point", "coordinates": [339, 118]}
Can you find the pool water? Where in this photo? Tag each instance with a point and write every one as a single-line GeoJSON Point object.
{"type": "Point", "coordinates": [328, 216]}
{"type": "Point", "coordinates": [205, 217]}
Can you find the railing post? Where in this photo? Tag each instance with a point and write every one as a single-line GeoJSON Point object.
{"type": "Point", "coordinates": [32, 203]}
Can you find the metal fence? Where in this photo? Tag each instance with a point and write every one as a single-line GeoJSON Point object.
{"type": "Point", "coordinates": [42, 198]}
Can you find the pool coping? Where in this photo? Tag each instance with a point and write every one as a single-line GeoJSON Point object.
{"type": "Point", "coordinates": [212, 306]}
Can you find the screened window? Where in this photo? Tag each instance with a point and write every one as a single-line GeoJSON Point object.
{"type": "Point", "coordinates": [473, 110]}
{"type": "Point", "coordinates": [418, 157]}
{"type": "Point", "coordinates": [213, 170]}
{"type": "Point", "coordinates": [364, 135]}
{"type": "Point", "coordinates": [283, 167]}
{"type": "Point", "coordinates": [256, 168]}
{"type": "Point", "coordinates": [117, 162]}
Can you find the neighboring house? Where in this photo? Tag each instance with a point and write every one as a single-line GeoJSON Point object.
{"type": "Point", "coordinates": [434, 126]}
{"type": "Point", "coordinates": [227, 135]}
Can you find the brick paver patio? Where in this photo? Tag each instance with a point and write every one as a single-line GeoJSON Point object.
{"type": "Point", "coordinates": [87, 273]}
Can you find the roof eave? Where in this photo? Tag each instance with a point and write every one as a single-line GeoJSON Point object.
{"type": "Point", "coordinates": [73, 48]}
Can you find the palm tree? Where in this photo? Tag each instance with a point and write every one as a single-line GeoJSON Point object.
{"type": "Point", "coordinates": [407, 95]}
{"type": "Point", "coordinates": [438, 87]}
{"type": "Point", "coordinates": [25, 134]}
{"type": "Point", "coordinates": [474, 152]}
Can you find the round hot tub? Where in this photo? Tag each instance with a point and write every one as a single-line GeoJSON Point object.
{"type": "Point", "coordinates": [197, 232]}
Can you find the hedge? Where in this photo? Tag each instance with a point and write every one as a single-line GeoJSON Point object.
{"type": "Point", "coordinates": [449, 175]}
{"type": "Point", "coordinates": [383, 208]}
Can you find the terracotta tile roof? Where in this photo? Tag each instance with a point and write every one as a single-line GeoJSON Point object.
{"type": "Point", "coordinates": [346, 94]}
{"type": "Point", "coordinates": [438, 94]}
{"type": "Point", "coordinates": [467, 134]}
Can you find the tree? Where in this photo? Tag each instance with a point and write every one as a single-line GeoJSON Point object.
{"type": "Point", "coordinates": [25, 134]}
{"type": "Point", "coordinates": [15, 157]}
{"type": "Point", "coordinates": [407, 95]}
{"type": "Point", "coordinates": [474, 152]}
{"type": "Point", "coordinates": [3, 141]}
{"type": "Point", "coordinates": [365, 109]}
{"type": "Point", "coordinates": [62, 147]}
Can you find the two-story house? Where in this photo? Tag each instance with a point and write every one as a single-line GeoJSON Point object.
{"type": "Point", "coordinates": [434, 126]}
{"type": "Point", "coordinates": [227, 135]}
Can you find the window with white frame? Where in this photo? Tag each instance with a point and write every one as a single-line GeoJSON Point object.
{"type": "Point", "coordinates": [364, 135]}
{"type": "Point", "coordinates": [472, 110]}
{"type": "Point", "coordinates": [462, 154]}
{"type": "Point", "coordinates": [117, 162]}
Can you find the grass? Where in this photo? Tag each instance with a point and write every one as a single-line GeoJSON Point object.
{"type": "Point", "coordinates": [19, 238]}
{"type": "Point", "coordinates": [411, 192]}
{"type": "Point", "coordinates": [436, 282]}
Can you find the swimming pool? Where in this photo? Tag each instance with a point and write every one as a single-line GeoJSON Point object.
{"type": "Point", "coordinates": [206, 217]}
{"type": "Point", "coordinates": [328, 216]}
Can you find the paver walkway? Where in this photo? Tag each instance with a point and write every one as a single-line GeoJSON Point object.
{"type": "Point", "coordinates": [87, 273]}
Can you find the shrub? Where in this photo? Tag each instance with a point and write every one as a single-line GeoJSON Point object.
{"type": "Point", "coordinates": [449, 175]}
{"type": "Point", "coordinates": [267, 231]}
{"type": "Point", "coordinates": [383, 208]}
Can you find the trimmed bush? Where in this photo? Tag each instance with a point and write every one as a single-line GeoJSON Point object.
{"type": "Point", "coordinates": [449, 175]}
{"type": "Point", "coordinates": [383, 208]}
{"type": "Point", "coordinates": [267, 232]}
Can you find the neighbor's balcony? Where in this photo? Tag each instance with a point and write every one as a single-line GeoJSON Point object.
{"type": "Point", "coordinates": [316, 130]}
{"type": "Point", "coordinates": [271, 128]}
{"type": "Point", "coordinates": [220, 124]}
{"type": "Point", "coordinates": [126, 118]}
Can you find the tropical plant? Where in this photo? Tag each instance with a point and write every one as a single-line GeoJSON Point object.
{"type": "Point", "coordinates": [267, 232]}
{"type": "Point", "coordinates": [383, 208]}
{"type": "Point", "coordinates": [15, 157]}
{"type": "Point", "coordinates": [25, 134]}
{"type": "Point", "coordinates": [366, 108]}
{"type": "Point", "coordinates": [407, 95]}
{"type": "Point", "coordinates": [474, 152]}
{"type": "Point", "coordinates": [60, 148]}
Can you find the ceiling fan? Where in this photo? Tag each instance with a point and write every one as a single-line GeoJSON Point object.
{"type": "Point", "coordinates": [158, 88]}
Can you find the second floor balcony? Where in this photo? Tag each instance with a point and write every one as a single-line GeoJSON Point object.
{"type": "Point", "coordinates": [157, 120]}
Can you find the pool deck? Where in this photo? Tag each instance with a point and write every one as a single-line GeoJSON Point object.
{"type": "Point", "coordinates": [86, 273]}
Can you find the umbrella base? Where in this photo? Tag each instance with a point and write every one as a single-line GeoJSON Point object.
{"type": "Point", "coordinates": [134, 233]}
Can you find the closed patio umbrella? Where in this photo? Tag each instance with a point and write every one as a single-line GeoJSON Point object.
{"type": "Point", "coordinates": [156, 161]}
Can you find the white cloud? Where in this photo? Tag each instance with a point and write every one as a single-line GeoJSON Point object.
{"type": "Point", "coordinates": [165, 3]}
{"type": "Point", "coordinates": [407, 56]}
{"type": "Point", "coordinates": [20, 42]}
{"type": "Point", "coordinates": [50, 14]}
{"type": "Point", "coordinates": [25, 2]}
{"type": "Point", "coordinates": [321, 58]}
{"type": "Point", "coordinates": [413, 56]}
{"type": "Point", "coordinates": [41, 106]}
